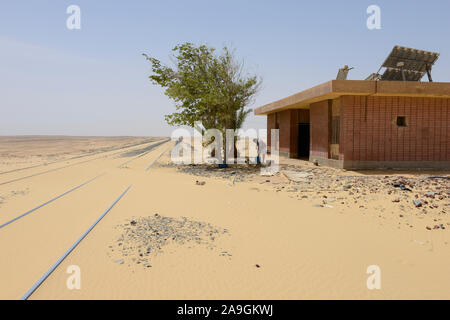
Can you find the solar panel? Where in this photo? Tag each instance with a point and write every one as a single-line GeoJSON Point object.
{"type": "Point", "coordinates": [406, 64]}
{"type": "Point", "coordinates": [412, 59]}
{"type": "Point", "coordinates": [392, 74]}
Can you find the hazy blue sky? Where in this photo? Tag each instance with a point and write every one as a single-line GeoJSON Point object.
{"type": "Point", "coordinates": [93, 81]}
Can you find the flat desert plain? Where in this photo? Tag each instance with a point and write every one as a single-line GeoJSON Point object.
{"type": "Point", "coordinates": [199, 232]}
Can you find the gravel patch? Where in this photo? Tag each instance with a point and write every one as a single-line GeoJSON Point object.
{"type": "Point", "coordinates": [145, 237]}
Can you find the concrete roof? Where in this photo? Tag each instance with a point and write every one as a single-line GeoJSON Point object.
{"type": "Point", "coordinates": [336, 88]}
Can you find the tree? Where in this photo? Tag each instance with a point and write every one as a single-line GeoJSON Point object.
{"type": "Point", "coordinates": [208, 87]}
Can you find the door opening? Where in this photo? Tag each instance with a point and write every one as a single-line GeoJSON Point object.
{"type": "Point", "coordinates": [303, 140]}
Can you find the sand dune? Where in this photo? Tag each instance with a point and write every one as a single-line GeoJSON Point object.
{"type": "Point", "coordinates": [249, 237]}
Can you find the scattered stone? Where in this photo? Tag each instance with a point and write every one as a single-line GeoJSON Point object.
{"type": "Point", "coordinates": [417, 203]}
{"type": "Point", "coordinates": [296, 176]}
{"type": "Point", "coordinates": [144, 237]}
{"type": "Point", "coordinates": [200, 183]}
{"type": "Point", "coordinates": [402, 187]}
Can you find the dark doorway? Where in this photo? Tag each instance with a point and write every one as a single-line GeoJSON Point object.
{"type": "Point", "coordinates": [303, 140]}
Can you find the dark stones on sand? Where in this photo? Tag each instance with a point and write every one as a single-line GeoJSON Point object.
{"type": "Point", "coordinates": [146, 237]}
{"type": "Point", "coordinates": [417, 203]}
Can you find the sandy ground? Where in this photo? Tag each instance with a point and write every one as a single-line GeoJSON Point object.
{"type": "Point", "coordinates": [238, 235]}
{"type": "Point", "coordinates": [18, 152]}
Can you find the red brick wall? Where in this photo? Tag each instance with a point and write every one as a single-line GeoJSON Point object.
{"type": "Point", "coordinates": [369, 131]}
{"type": "Point", "coordinates": [319, 115]}
{"type": "Point", "coordinates": [297, 116]}
{"type": "Point", "coordinates": [288, 133]}
{"type": "Point", "coordinates": [284, 120]}
{"type": "Point", "coordinates": [271, 121]}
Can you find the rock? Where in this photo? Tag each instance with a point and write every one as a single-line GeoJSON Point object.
{"type": "Point", "coordinates": [200, 183]}
{"type": "Point", "coordinates": [154, 232]}
{"type": "Point", "coordinates": [296, 176]}
{"type": "Point", "coordinates": [402, 187]}
{"type": "Point", "coordinates": [257, 265]}
{"type": "Point", "coordinates": [417, 203]}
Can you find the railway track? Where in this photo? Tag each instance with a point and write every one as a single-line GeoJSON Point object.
{"type": "Point", "coordinates": [154, 144]}
{"type": "Point", "coordinates": [143, 154]}
{"type": "Point", "coordinates": [76, 157]}
{"type": "Point", "coordinates": [36, 285]}
{"type": "Point", "coordinates": [150, 148]}
{"type": "Point", "coordinates": [72, 247]}
{"type": "Point", "coordinates": [49, 201]}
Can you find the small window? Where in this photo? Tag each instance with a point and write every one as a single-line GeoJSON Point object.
{"type": "Point", "coordinates": [401, 121]}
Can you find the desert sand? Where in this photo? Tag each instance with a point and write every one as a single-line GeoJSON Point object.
{"type": "Point", "coordinates": [198, 232]}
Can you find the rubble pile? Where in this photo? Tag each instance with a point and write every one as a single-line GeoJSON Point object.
{"type": "Point", "coordinates": [144, 237]}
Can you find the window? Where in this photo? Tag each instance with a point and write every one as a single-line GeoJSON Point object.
{"type": "Point", "coordinates": [401, 121]}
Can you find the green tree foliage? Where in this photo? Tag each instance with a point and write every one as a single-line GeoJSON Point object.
{"type": "Point", "coordinates": [205, 86]}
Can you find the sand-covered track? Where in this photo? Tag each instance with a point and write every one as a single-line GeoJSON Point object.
{"type": "Point", "coordinates": [79, 156]}
{"type": "Point", "coordinates": [152, 145]}
{"type": "Point", "coordinates": [141, 152]}
{"type": "Point", "coordinates": [49, 201]}
{"type": "Point", "coordinates": [33, 244]}
{"type": "Point", "coordinates": [72, 247]}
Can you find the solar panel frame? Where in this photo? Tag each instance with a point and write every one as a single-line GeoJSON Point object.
{"type": "Point", "coordinates": [413, 59]}
{"type": "Point", "coordinates": [395, 74]}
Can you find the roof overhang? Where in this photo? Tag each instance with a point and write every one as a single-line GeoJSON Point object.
{"type": "Point", "coordinates": [336, 88]}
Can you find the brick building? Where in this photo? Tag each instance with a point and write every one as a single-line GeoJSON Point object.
{"type": "Point", "coordinates": [358, 124]}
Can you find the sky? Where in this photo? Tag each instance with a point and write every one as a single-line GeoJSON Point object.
{"type": "Point", "coordinates": [94, 81]}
